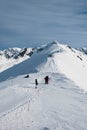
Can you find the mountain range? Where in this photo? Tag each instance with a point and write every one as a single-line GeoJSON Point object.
{"type": "Point", "coordinates": [59, 105]}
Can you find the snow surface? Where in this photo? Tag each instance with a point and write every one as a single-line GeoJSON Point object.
{"type": "Point", "coordinates": [73, 64]}
{"type": "Point", "coordinates": [6, 63]}
{"type": "Point", "coordinates": [53, 57]}
{"type": "Point", "coordinates": [60, 105]}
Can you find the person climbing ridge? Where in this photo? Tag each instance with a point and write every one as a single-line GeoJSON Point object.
{"type": "Point", "coordinates": [36, 83]}
{"type": "Point", "coordinates": [46, 79]}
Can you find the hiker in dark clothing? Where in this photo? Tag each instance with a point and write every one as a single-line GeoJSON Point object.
{"type": "Point", "coordinates": [27, 76]}
{"type": "Point", "coordinates": [36, 83]}
{"type": "Point", "coordinates": [46, 79]}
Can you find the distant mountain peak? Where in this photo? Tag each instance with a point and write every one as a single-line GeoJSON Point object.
{"type": "Point", "coordinates": [11, 56]}
{"type": "Point", "coordinates": [16, 52]}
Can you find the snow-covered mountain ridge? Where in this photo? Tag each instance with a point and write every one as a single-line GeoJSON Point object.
{"type": "Point", "coordinates": [53, 57]}
{"type": "Point", "coordinates": [84, 50]}
{"type": "Point", "coordinates": [58, 105]}
{"type": "Point", "coordinates": [12, 56]}
{"type": "Point", "coordinates": [15, 52]}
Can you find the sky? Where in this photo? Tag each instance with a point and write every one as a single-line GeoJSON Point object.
{"type": "Point", "coordinates": [30, 23]}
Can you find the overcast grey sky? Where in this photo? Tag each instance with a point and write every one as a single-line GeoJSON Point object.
{"type": "Point", "coordinates": [35, 22]}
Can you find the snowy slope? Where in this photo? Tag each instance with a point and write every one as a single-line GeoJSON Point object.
{"type": "Point", "coordinates": [60, 58]}
{"type": "Point", "coordinates": [38, 59]}
{"type": "Point", "coordinates": [12, 56]}
{"type": "Point", "coordinates": [73, 63]}
{"type": "Point", "coordinates": [60, 105]}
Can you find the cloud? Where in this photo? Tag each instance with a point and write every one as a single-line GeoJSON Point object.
{"type": "Point", "coordinates": [29, 20]}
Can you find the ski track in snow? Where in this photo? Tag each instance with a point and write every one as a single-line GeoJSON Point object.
{"type": "Point", "coordinates": [60, 105]}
